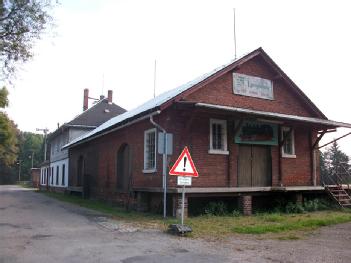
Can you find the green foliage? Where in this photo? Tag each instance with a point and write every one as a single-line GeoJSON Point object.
{"type": "Point", "coordinates": [308, 206]}
{"type": "Point", "coordinates": [294, 208]}
{"type": "Point", "coordinates": [289, 225]}
{"type": "Point", "coordinates": [8, 140]}
{"type": "Point", "coordinates": [315, 205]}
{"type": "Point", "coordinates": [334, 164]}
{"type": "Point", "coordinates": [22, 22]}
{"type": "Point", "coordinates": [236, 213]}
{"type": "Point", "coordinates": [220, 226]}
{"type": "Point", "coordinates": [4, 97]}
{"type": "Point", "coordinates": [30, 146]}
{"type": "Point", "coordinates": [216, 209]}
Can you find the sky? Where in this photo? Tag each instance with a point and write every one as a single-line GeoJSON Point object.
{"type": "Point", "coordinates": [111, 44]}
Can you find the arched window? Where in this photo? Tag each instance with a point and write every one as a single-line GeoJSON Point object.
{"type": "Point", "coordinates": [80, 171]}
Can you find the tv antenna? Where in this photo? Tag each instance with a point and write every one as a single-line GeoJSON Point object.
{"type": "Point", "coordinates": [234, 34]}
{"type": "Point", "coordinates": [155, 79]}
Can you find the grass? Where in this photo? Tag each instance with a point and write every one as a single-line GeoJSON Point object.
{"type": "Point", "coordinates": [282, 226]}
{"type": "Point", "coordinates": [142, 219]}
{"type": "Point", "coordinates": [24, 184]}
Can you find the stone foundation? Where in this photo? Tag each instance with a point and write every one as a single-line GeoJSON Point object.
{"type": "Point", "coordinates": [245, 204]}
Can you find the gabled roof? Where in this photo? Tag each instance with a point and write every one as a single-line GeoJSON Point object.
{"type": "Point", "coordinates": [92, 117]}
{"type": "Point", "coordinates": [167, 98]}
{"type": "Point", "coordinates": [97, 114]}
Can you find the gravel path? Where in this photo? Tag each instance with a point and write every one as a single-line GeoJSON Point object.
{"type": "Point", "coordinates": [36, 228]}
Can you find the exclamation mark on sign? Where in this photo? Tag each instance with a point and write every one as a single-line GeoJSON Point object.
{"type": "Point", "coordinates": [184, 163]}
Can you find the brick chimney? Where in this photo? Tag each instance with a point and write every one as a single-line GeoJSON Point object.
{"type": "Point", "coordinates": [109, 96]}
{"type": "Point", "coordinates": [85, 99]}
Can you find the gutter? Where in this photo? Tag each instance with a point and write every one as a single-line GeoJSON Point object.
{"type": "Point", "coordinates": [164, 164]}
{"type": "Point", "coordinates": [275, 115]}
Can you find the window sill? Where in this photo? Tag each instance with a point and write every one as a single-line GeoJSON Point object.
{"type": "Point", "coordinates": [291, 156]}
{"type": "Point", "coordinates": [211, 151]}
{"type": "Point", "coordinates": [150, 171]}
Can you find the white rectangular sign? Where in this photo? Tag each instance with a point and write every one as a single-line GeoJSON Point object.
{"type": "Point", "coordinates": [184, 180]}
{"type": "Point", "coordinates": [252, 86]}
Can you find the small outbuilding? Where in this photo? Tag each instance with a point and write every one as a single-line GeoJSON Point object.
{"type": "Point", "coordinates": [250, 130]}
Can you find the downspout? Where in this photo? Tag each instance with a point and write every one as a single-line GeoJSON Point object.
{"type": "Point", "coordinates": [164, 164]}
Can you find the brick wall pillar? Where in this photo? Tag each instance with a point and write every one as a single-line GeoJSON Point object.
{"type": "Point", "coordinates": [142, 202]}
{"type": "Point", "coordinates": [177, 206]}
{"type": "Point", "coordinates": [245, 204]}
{"type": "Point", "coordinates": [299, 198]}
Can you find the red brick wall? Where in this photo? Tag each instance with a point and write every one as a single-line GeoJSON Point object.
{"type": "Point", "coordinates": [190, 127]}
{"type": "Point", "coordinates": [215, 170]}
{"type": "Point", "coordinates": [285, 100]}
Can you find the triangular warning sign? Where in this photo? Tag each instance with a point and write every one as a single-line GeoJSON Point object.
{"type": "Point", "coordinates": [184, 166]}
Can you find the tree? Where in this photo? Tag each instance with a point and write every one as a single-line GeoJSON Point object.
{"type": "Point", "coordinates": [21, 23]}
{"type": "Point", "coordinates": [8, 133]}
{"type": "Point", "coordinates": [335, 163]}
{"type": "Point", "coordinates": [31, 151]}
{"type": "Point", "coordinates": [4, 102]}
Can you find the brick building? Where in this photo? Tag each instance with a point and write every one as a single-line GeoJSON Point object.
{"type": "Point", "coordinates": [54, 173]}
{"type": "Point", "coordinates": [250, 130]}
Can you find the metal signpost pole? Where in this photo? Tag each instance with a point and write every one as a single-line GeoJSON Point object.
{"type": "Point", "coordinates": [164, 170]}
{"type": "Point", "coordinates": [183, 197]}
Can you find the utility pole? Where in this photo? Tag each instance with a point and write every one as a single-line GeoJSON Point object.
{"type": "Point", "coordinates": [45, 131]}
{"type": "Point", "coordinates": [32, 157]}
{"type": "Point", "coordinates": [19, 170]}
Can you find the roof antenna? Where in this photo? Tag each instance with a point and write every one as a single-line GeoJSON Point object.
{"type": "Point", "coordinates": [103, 83]}
{"type": "Point", "coordinates": [155, 80]}
{"type": "Point", "coordinates": [234, 36]}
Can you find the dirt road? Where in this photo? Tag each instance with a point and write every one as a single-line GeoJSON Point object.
{"type": "Point", "coordinates": [36, 228]}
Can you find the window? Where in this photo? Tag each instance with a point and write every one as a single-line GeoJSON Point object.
{"type": "Point", "coordinates": [218, 137]}
{"type": "Point", "coordinates": [288, 148]}
{"type": "Point", "coordinates": [150, 151]}
{"type": "Point", "coordinates": [57, 175]}
{"type": "Point", "coordinates": [63, 175]}
{"type": "Point", "coordinates": [52, 175]}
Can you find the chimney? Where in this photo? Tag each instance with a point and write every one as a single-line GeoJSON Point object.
{"type": "Point", "coordinates": [109, 96]}
{"type": "Point", "coordinates": [85, 100]}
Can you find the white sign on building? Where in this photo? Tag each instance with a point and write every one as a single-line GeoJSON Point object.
{"type": "Point", "coordinates": [252, 86]}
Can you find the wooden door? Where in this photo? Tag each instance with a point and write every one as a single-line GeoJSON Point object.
{"type": "Point", "coordinates": [261, 166]}
{"type": "Point", "coordinates": [123, 167]}
{"type": "Point", "coordinates": [244, 166]}
{"type": "Point", "coordinates": [254, 166]}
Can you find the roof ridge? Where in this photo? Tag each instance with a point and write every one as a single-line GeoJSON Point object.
{"type": "Point", "coordinates": [80, 114]}
{"type": "Point", "coordinates": [155, 102]}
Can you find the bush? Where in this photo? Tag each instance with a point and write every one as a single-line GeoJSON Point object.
{"type": "Point", "coordinates": [308, 206]}
{"type": "Point", "coordinates": [315, 205]}
{"type": "Point", "coordinates": [216, 209]}
{"type": "Point", "coordinates": [293, 208]}
{"type": "Point", "coordinates": [236, 213]}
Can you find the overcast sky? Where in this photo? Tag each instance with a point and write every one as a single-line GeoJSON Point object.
{"type": "Point", "coordinates": [103, 45]}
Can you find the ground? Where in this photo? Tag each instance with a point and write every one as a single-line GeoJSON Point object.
{"type": "Point", "coordinates": [37, 228]}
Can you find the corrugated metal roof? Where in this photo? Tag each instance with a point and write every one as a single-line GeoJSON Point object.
{"type": "Point", "coordinates": [155, 103]}
{"type": "Point", "coordinates": [149, 105]}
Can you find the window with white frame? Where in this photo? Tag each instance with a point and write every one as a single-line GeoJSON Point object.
{"type": "Point", "coordinates": [288, 147]}
{"type": "Point", "coordinates": [63, 174]}
{"type": "Point", "coordinates": [57, 174]}
{"type": "Point", "coordinates": [218, 136]}
{"type": "Point", "coordinates": [52, 175]}
{"type": "Point", "coordinates": [150, 150]}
